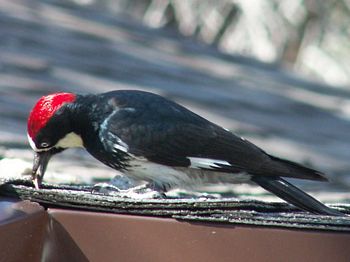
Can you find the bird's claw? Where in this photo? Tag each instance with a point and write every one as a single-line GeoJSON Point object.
{"type": "Point", "coordinates": [105, 189]}
{"type": "Point", "coordinates": [150, 194]}
{"type": "Point", "coordinates": [138, 192]}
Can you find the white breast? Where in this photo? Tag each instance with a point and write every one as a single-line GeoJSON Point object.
{"type": "Point", "coordinates": [180, 177]}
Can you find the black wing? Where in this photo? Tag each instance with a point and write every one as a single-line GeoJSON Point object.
{"type": "Point", "coordinates": [167, 133]}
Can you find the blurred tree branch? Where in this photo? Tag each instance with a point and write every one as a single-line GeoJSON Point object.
{"type": "Point", "coordinates": [311, 36]}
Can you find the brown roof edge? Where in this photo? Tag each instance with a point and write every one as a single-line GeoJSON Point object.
{"type": "Point", "coordinates": [91, 236]}
{"type": "Point", "coordinates": [219, 210]}
{"type": "Point", "coordinates": [22, 226]}
{"type": "Point", "coordinates": [29, 233]}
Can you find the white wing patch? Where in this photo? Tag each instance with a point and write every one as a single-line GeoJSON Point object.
{"type": "Point", "coordinates": [114, 141]}
{"type": "Point", "coordinates": [120, 145]}
{"type": "Point", "coordinates": [198, 162]}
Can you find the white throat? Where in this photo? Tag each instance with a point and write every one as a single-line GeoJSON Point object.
{"type": "Point", "coordinates": [70, 140]}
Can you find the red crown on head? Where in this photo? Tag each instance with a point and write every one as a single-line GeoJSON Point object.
{"type": "Point", "coordinates": [44, 109]}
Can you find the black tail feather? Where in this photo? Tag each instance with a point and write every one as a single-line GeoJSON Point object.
{"type": "Point", "coordinates": [286, 168]}
{"type": "Point", "coordinates": [294, 195]}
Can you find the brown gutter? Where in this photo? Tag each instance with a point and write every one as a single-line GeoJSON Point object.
{"type": "Point", "coordinates": [22, 230]}
{"type": "Point", "coordinates": [91, 236]}
{"type": "Point", "coordinates": [113, 237]}
{"type": "Point", "coordinates": [80, 226]}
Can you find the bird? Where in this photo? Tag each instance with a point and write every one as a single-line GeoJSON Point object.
{"type": "Point", "coordinates": [150, 138]}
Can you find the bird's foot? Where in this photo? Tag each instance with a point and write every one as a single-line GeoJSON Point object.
{"type": "Point", "coordinates": [207, 196]}
{"type": "Point", "coordinates": [115, 185]}
{"type": "Point", "coordinates": [105, 189]}
{"type": "Point", "coordinates": [146, 193]}
{"type": "Point", "coordinates": [137, 192]}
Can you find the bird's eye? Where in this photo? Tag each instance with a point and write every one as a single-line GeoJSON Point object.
{"type": "Point", "coordinates": [44, 144]}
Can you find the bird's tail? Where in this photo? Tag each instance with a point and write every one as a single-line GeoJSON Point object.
{"type": "Point", "coordinates": [285, 168]}
{"type": "Point", "coordinates": [294, 195]}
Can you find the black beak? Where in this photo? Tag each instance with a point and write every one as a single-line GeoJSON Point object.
{"type": "Point", "coordinates": [41, 159]}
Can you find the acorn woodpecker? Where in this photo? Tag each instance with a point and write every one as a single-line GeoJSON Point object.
{"type": "Point", "coordinates": [150, 138]}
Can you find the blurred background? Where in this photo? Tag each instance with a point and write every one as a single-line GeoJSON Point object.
{"type": "Point", "coordinates": [275, 72]}
{"type": "Point", "coordinates": [310, 37]}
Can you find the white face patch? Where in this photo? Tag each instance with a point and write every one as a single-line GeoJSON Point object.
{"type": "Point", "coordinates": [31, 143]}
{"type": "Point", "coordinates": [33, 146]}
{"type": "Point", "coordinates": [70, 140]}
{"type": "Point", "coordinates": [198, 162]}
